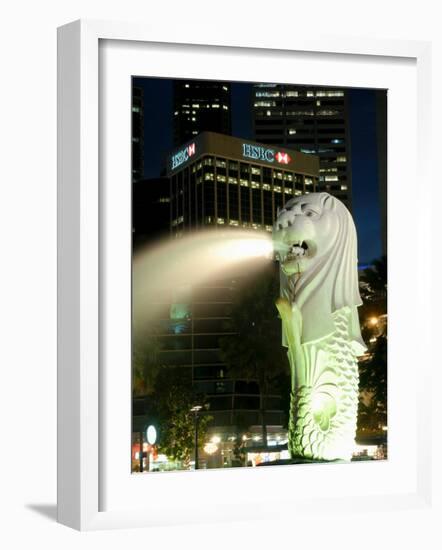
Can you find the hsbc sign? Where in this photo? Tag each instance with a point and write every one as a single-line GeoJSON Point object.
{"type": "Point", "coordinates": [183, 156]}
{"type": "Point", "coordinates": [258, 152]}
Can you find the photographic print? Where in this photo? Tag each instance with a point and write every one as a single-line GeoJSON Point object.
{"type": "Point", "coordinates": [259, 274]}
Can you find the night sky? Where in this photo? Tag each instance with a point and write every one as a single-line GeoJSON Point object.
{"type": "Point", "coordinates": [158, 141]}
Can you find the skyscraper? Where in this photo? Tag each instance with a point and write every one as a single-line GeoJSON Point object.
{"type": "Point", "coordinates": [226, 181]}
{"type": "Point", "coordinates": [200, 105]}
{"type": "Point", "coordinates": [310, 119]}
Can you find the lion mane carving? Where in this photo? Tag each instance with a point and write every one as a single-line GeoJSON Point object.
{"type": "Point", "coordinates": [315, 243]}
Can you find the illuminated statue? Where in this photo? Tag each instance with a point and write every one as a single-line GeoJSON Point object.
{"type": "Point", "coordinates": [315, 242]}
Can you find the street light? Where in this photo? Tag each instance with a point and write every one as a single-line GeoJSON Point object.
{"type": "Point", "coordinates": [151, 437]}
{"type": "Point", "coordinates": [196, 409]}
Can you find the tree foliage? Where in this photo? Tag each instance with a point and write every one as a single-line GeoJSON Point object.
{"type": "Point", "coordinates": [373, 383]}
{"type": "Point", "coordinates": [373, 280]}
{"type": "Point", "coordinates": [174, 398]}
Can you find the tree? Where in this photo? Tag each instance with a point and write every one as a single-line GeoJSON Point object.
{"type": "Point", "coordinates": [174, 398]}
{"type": "Point", "coordinates": [373, 281]}
{"type": "Point", "coordinates": [373, 383]}
{"type": "Point", "coordinates": [255, 352]}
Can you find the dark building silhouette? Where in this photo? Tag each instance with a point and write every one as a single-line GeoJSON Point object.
{"type": "Point", "coordinates": [137, 134]}
{"type": "Point", "coordinates": [150, 210]}
{"type": "Point", "coordinates": [200, 105]}
{"type": "Point", "coordinates": [310, 119]}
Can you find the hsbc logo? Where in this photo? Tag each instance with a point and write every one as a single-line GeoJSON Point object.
{"type": "Point", "coordinates": [183, 156]}
{"type": "Point", "coordinates": [258, 152]}
{"type": "Point", "coordinates": [282, 158]}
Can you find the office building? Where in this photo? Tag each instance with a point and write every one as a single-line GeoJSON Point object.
{"type": "Point", "coordinates": [198, 106]}
{"type": "Point", "coordinates": [219, 180]}
{"type": "Point", "coordinates": [310, 119]}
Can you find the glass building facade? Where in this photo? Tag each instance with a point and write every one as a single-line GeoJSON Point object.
{"type": "Point", "coordinates": [218, 180]}
{"type": "Point", "coordinates": [310, 119]}
{"type": "Point", "coordinates": [198, 106]}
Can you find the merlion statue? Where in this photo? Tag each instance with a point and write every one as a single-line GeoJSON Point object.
{"type": "Point", "coordinates": [315, 242]}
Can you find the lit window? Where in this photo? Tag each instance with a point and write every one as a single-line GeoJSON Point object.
{"type": "Point", "coordinates": [225, 88]}
{"type": "Point", "coordinates": [266, 187]}
{"type": "Point", "coordinates": [327, 112]}
{"type": "Point", "coordinates": [292, 131]}
{"type": "Point", "coordinates": [277, 189]}
{"type": "Point", "coordinates": [175, 113]}
{"type": "Point", "coordinates": [135, 109]}
{"type": "Point", "coordinates": [343, 188]}
{"type": "Point", "coordinates": [195, 105]}
{"type": "Point", "coordinates": [331, 178]}
{"type": "Point", "coordinates": [234, 222]}
{"type": "Point", "coordinates": [220, 221]}
{"type": "Point", "coordinates": [300, 113]}
{"type": "Point", "coordinates": [186, 85]}
{"type": "Point", "coordinates": [215, 105]}
{"type": "Point", "coordinates": [287, 191]}
{"type": "Point", "coordinates": [233, 181]}
{"type": "Point", "coordinates": [244, 183]}
{"type": "Point", "coordinates": [255, 185]}
{"type": "Point", "coordinates": [256, 171]}
{"type": "Point", "coordinates": [267, 94]}
{"type": "Point", "coordinates": [194, 132]}
{"type": "Point", "coordinates": [264, 104]}
{"type": "Point", "coordinates": [225, 107]}
{"type": "Point", "coordinates": [308, 181]}
{"type": "Point", "coordinates": [310, 94]}
{"type": "Point", "coordinates": [208, 176]}
{"type": "Point", "coordinates": [291, 94]}
{"type": "Point", "coordinates": [341, 158]}
{"type": "Point", "coordinates": [318, 103]}
{"type": "Point", "coordinates": [268, 113]}
{"type": "Point", "coordinates": [269, 228]}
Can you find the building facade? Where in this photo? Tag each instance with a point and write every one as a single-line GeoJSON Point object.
{"type": "Point", "coordinates": [198, 106]}
{"type": "Point", "coordinates": [219, 180]}
{"type": "Point", "coordinates": [310, 119]}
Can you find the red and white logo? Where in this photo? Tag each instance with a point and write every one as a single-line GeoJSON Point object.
{"type": "Point", "coordinates": [282, 158]}
{"type": "Point", "coordinates": [191, 149]}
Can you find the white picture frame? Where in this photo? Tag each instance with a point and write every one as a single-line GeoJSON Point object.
{"type": "Point", "coordinates": [84, 223]}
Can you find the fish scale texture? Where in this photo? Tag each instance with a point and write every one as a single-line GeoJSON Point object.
{"type": "Point", "coordinates": [323, 412]}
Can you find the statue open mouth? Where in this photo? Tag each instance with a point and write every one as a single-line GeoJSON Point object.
{"type": "Point", "coordinates": [299, 249]}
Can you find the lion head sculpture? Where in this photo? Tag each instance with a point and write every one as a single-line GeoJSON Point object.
{"type": "Point", "coordinates": [315, 242]}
